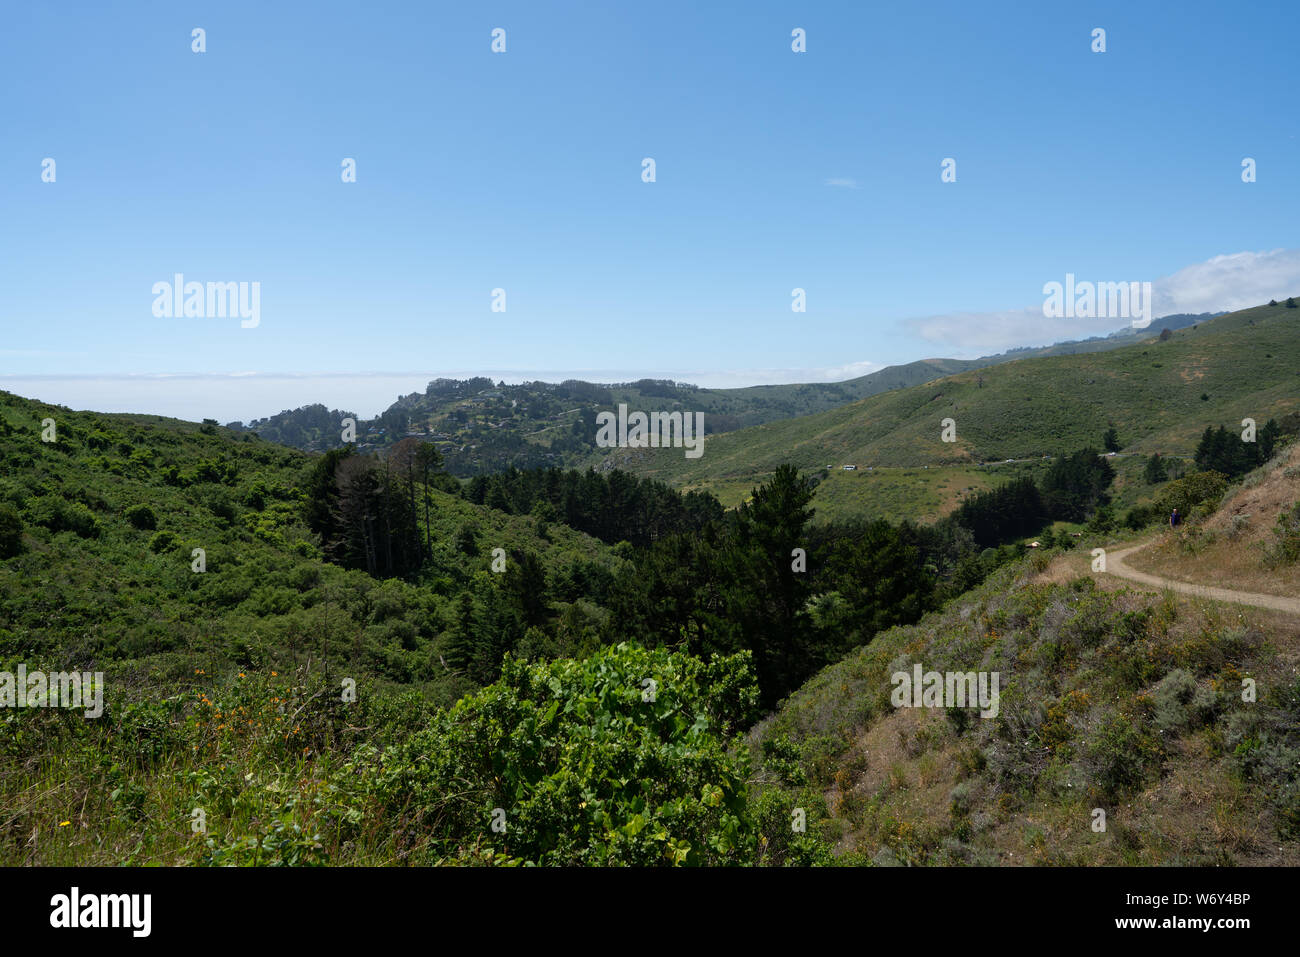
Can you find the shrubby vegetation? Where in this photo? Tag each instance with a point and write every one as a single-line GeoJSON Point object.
{"type": "Point", "coordinates": [500, 636]}
{"type": "Point", "coordinates": [1285, 549]}
{"type": "Point", "coordinates": [1103, 694]}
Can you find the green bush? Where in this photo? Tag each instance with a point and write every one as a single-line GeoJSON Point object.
{"type": "Point", "coordinates": [620, 758]}
{"type": "Point", "coordinates": [1200, 488]}
{"type": "Point", "coordinates": [1180, 703]}
{"type": "Point", "coordinates": [11, 532]}
{"type": "Point", "coordinates": [61, 516]}
{"type": "Point", "coordinates": [1119, 757]}
{"type": "Point", "coordinates": [142, 517]}
{"type": "Point", "coordinates": [161, 541]}
{"type": "Point", "coordinates": [1285, 550]}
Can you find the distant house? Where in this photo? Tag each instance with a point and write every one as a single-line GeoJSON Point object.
{"type": "Point", "coordinates": [850, 468]}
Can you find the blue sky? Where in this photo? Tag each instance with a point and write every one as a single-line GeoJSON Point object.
{"type": "Point", "coordinates": [522, 171]}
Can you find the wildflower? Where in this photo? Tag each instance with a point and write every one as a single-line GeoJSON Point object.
{"type": "Point", "coordinates": [64, 823]}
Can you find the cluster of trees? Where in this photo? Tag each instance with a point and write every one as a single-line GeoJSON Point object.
{"type": "Point", "coordinates": [458, 388]}
{"type": "Point", "coordinates": [367, 511]}
{"type": "Point", "coordinates": [1074, 487]}
{"type": "Point", "coordinates": [1221, 456]}
{"type": "Point", "coordinates": [1229, 454]}
{"type": "Point", "coordinates": [309, 427]}
{"type": "Point", "coordinates": [1009, 511]}
{"type": "Point", "coordinates": [613, 506]}
{"type": "Point", "coordinates": [794, 596]}
{"type": "Point", "coordinates": [1156, 470]}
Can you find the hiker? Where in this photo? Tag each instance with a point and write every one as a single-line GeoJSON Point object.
{"type": "Point", "coordinates": [1175, 519]}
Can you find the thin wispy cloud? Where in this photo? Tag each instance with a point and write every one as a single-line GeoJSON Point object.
{"type": "Point", "coordinates": [844, 182]}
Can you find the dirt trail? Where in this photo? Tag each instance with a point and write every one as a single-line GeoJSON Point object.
{"type": "Point", "coordinates": [1115, 566]}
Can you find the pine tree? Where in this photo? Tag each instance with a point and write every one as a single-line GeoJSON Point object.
{"type": "Point", "coordinates": [462, 644]}
{"type": "Point", "coordinates": [1155, 471]}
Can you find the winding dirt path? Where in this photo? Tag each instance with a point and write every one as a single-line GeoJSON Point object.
{"type": "Point", "coordinates": [1115, 565]}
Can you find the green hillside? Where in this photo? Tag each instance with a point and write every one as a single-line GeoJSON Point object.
{"type": "Point", "coordinates": [318, 655]}
{"type": "Point", "coordinates": [1159, 393]}
{"type": "Point", "coordinates": [481, 427]}
{"type": "Point", "coordinates": [342, 676]}
{"type": "Point", "coordinates": [112, 510]}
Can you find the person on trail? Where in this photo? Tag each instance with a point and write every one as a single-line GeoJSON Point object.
{"type": "Point", "coordinates": [1175, 519]}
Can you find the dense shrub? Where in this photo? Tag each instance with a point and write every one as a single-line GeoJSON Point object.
{"type": "Point", "coordinates": [11, 532]}
{"type": "Point", "coordinates": [1285, 549]}
{"type": "Point", "coordinates": [621, 758]}
{"type": "Point", "coordinates": [142, 517]}
{"type": "Point", "coordinates": [1199, 488]}
{"type": "Point", "coordinates": [161, 541]}
{"type": "Point", "coordinates": [1180, 703]}
{"type": "Point", "coordinates": [59, 515]}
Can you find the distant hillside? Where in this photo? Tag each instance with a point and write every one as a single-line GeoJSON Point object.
{"type": "Point", "coordinates": [1159, 392]}
{"type": "Point", "coordinates": [481, 427]}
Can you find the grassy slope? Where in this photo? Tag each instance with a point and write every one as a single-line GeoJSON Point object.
{"type": "Point", "coordinates": [1083, 724]}
{"type": "Point", "coordinates": [1084, 720]}
{"type": "Point", "coordinates": [1245, 363]}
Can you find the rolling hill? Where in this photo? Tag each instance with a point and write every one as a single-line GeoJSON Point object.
{"type": "Point", "coordinates": [1160, 393]}
{"type": "Point", "coordinates": [482, 427]}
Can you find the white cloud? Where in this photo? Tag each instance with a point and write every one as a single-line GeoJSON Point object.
{"type": "Point", "coordinates": [1221, 284]}
{"type": "Point", "coordinates": [1236, 281]}
{"type": "Point", "coordinates": [844, 182]}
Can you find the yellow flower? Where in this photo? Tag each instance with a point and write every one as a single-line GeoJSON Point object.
{"type": "Point", "coordinates": [64, 823]}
